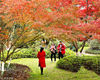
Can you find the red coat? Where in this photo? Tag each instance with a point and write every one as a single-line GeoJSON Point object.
{"type": "Point", "coordinates": [62, 48]}
{"type": "Point", "coordinates": [41, 57]}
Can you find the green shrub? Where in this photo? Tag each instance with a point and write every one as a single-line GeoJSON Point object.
{"type": "Point", "coordinates": [71, 63]}
{"type": "Point", "coordinates": [88, 61]}
{"type": "Point", "coordinates": [48, 53]}
{"type": "Point", "coordinates": [29, 53]}
{"type": "Point", "coordinates": [95, 44]}
{"type": "Point", "coordinates": [69, 52]}
{"type": "Point", "coordinates": [24, 53]}
{"type": "Point", "coordinates": [92, 63]}
{"type": "Point", "coordinates": [94, 47]}
{"type": "Point", "coordinates": [91, 51]}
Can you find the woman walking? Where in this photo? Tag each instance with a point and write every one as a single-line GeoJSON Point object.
{"type": "Point", "coordinates": [41, 56]}
{"type": "Point", "coordinates": [53, 52]}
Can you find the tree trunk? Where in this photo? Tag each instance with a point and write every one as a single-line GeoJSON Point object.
{"type": "Point", "coordinates": [3, 66]}
{"type": "Point", "coordinates": [83, 45]}
{"type": "Point", "coordinates": [0, 65]}
{"type": "Point", "coordinates": [9, 55]}
{"type": "Point", "coordinates": [76, 51]}
{"type": "Point", "coordinates": [76, 48]}
{"type": "Point", "coordinates": [0, 54]}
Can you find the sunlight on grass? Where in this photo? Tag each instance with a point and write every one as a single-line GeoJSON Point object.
{"type": "Point", "coordinates": [53, 73]}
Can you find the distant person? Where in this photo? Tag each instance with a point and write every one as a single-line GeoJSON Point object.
{"type": "Point", "coordinates": [41, 56]}
{"type": "Point", "coordinates": [53, 52]}
{"type": "Point", "coordinates": [61, 50]}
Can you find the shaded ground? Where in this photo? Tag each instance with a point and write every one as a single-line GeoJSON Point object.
{"type": "Point", "coordinates": [53, 73]}
{"type": "Point", "coordinates": [15, 72]}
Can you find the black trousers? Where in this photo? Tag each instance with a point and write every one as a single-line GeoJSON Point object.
{"type": "Point", "coordinates": [41, 70]}
{"type": "Point", "coordinates": [60, 55]}
{"type": "Point", "coordinates": [53, 54]}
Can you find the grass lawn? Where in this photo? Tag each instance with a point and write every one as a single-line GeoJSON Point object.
{"type": "Point", "coordinates": [85, 48]}
{"type": "Point", "coordinates": [53, 73]}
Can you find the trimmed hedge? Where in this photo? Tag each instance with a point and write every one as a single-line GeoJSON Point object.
{"type": "Point", "coordinates": [29, 53]}
{"type": "Point", "coordinates": [95, 44]}
{"type": "Point", "coordinates": [24, 53]}
{"type": "Point", "coordinates": [94, 47]}
{"type": "Point", "coordinates": [92, 63]}
{"type": "Point", "coordinates": [91, 51]}
{"type": "Point", "coordinates": [73, 63]}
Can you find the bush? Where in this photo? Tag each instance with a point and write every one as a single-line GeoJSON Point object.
{"type": "Point", "coordinates": [92, 63]}
{"type": "Point", "coordinates": [73, 63]}
{"type": "Point", "coordinates": [70, 53]}
{"type": "Point", "coordinates": [95, 44]}
{"type": "Point", "coordinates": [29, 53]}
{"type": "Point", "coordinates": [24, 53]}
{"type": "Point", "coordinates": [94, 47]}
{"type": "Point", "coordinates": [88, 61]}
{"type": "Point", "coordinates": [91, 51]}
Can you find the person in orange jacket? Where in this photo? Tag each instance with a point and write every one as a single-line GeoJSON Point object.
{"type": "Point", "coordinates": [61, 50]}
{"type": "Point", "coordinates": [41, 56]}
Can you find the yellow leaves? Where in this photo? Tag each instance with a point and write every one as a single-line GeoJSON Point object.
{"type": "Point", "coordinates": [28, 36]}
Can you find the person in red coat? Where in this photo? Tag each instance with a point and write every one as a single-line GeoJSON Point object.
{"type": "Point", "coordinates": [41, 56]}
{"type": "Point", "coordinates": [61, 50]}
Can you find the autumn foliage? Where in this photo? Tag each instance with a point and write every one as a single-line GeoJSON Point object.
{"type": "Point", "coordinates": [23, 21]}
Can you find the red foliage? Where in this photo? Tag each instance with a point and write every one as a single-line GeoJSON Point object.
{"type": "Point", "coordinates": [58, 16]}
{"type": "Point", "coordinates": [88, 8]}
